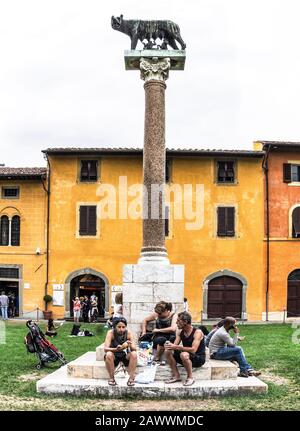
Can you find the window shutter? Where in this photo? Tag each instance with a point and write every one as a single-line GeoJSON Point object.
{"type": "Point", "coordinates": [83, 223]}
{"type": "Point", "coordinates": [221, 221]}
{"type": "Point", "coordinates": [15, 231]}
{"type": "Point", "coordinates": [230, 212]}
{"type": "Point", "coordinates": [287, 173]}
{"type": "Point", "coordinates": [92, 220]}
{"type": "Point", "coordinates": [93, 170]}
{"type": "Point", "coordinates": [296, 222]}
{"type": "Point", "coordinates": [167, 225]}
{"type": "Point", "coordinates": [168, 171]}
{"type": "Point", "coordinates": [84, 172]}
{"type": "Point", "coordinates": [4, 228]}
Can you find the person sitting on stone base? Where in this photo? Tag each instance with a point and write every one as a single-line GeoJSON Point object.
{"type": "Point", "coordinates": [190, 354]}
{"type": "Point", "coordinates": [224, 348]}
{"type": "Point", "coordinates": [165, 328]}
{"type": "Point", "coordinates": [119, 347]}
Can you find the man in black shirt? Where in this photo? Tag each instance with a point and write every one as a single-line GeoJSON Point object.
{"type": "Point", "coordinates": [191, 353]}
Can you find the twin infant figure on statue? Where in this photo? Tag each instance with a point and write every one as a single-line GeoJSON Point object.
{"type": "Point", "coordinates": [176, 337]}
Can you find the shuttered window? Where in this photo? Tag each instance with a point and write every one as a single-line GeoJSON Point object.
{"type": "Point", "coordinates": [296, 223]}
{"type": "Point", "coordinates": [4, 230]}
{"type": "Point", "coordinates": [88, 170]}
{"type": "Point", "coordinates": [15, 231]}
{"type": "Point", "coordinates": [168, 170]}
{"type": "Point", "coordinates": [225, 172]}
{"type": "Point", "coordinates": [167, 221]}
{"type": "Point", "coordinates": [226, 222]}
{"type": "Point", "coordinates": [88, 220]}
{"type": "Point", "coordinates": [291, 173]}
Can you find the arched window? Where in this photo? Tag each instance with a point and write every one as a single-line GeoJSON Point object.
{"type": "Point", "coordinates": [15, 230]}
{"type": "Point", "coordinates": [296, 223]}
{"type": "Point", "coordinates": [4, 231]}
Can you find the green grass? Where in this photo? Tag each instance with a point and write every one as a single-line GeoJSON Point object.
{"type": "Point", "coordinates": [267, 347]}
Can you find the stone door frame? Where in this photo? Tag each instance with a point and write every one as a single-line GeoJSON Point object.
{"type": "Point", "coordinates": [84, 271]}
{"type": "Point", "coordinates": [222, 273]}
{"type": "Point", "coordinates": [19, 281]}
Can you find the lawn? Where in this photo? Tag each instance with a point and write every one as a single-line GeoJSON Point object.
{"type": "Point", "coordinates": [267, 347]}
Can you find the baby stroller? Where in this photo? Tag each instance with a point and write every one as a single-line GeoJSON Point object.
{"type": "Point", "coordinates": [37, 343]}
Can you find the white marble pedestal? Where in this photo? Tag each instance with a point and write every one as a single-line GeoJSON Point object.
{"type": "Point", "coordinates": [145, 284]}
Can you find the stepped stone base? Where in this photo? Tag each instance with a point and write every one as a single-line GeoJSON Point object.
{"type": "Point", "coordinates": [60, 382]}
{"type": "Point", "coordinates": [87, 367]}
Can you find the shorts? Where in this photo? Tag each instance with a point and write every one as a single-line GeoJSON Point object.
{"type": "Point", "coordinates": [197, 360]}
{"type": "Point", "coordinates": [76, 314]}
{"type": "Point", "coordinates": [120, 358]}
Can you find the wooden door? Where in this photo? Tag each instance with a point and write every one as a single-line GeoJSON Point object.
{"type": "Point", "coordinates": [224, 298]}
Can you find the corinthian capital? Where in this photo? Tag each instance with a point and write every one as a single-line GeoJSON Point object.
{"type": "Point", "coordinates": [155, 68]}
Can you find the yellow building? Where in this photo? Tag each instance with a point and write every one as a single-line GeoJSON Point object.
{"type": "Point", "coordinates": [219, 239]}
{"type": "Point", "coordinates": [23, 262]}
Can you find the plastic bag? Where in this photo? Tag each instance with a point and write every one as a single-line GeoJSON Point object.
{"type": "Point", "coordinates": [147, 376]}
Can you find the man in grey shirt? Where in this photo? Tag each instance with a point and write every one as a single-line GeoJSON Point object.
{"type": "Point", "coordinates": [223, 347]}
{"type": "Point", "coordinates": [4, 305]}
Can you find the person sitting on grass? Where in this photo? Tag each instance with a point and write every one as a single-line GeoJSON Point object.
{"type": "Point", "coordinates": [190, 354]}
{"type": "Point", "coordinates": [224, 348]}
{"type": "Point", "coordinates": [165, 328]}
{"type": "Point", "coordinates": [119, 347]}
{"type": "Point", "coordinates": [51, 329]}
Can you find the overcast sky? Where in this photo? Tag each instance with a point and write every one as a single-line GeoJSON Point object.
{"type": "Point", "coordinates": [63, 82]}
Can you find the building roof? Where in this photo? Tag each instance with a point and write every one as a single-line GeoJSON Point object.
{"type": "Point", "coordinates": [280, 145]}
{"type": "Point", "coordinates": [187, 152]}
{"type": "Point", "coordinates": [22, 173]}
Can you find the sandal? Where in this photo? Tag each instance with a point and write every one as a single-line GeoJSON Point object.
{"type": "Point", "coordinates": [189, 382]}
{"type": "Point", "coordinates": [130, 382]}
{"type": "Point", "coordinates": [112, 382]}
{"type": "Point", "coordinates": [172, 380]}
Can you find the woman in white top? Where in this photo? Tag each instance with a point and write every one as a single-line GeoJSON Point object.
{"type": "Point", "coordinates": [118, 307]}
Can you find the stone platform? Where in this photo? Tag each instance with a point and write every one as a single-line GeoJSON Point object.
{"type": "Point", "coordinates": [88, 376]}
{"type": "Point", "coordinates": [60, 382]}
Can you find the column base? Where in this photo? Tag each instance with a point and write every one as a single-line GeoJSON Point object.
{"type": "Point", "coordinates": [147, 283]}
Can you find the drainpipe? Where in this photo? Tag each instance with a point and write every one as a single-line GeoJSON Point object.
{"type": "Point", "coordinates": [47, 229]}
{"type": "Point", "coordinates": [265, 166]}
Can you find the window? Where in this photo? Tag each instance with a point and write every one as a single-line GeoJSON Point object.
{"type": "Point", "coordinates": [10, 192]}
{"type": "Point", "coordinates": [296, 223]}
{"type": "Point", "coordinates": [88, 220]}
{"type": "Point", "coordinates": [15, 230]}
{"type": "Point", "coordinates": [291, 173]}
{"type": "Point", "coordinates": [10, 231]}
{"type": "Point", "coordinates": [9, 272]}
{"type": "Point", "coordinates": [168, 171]}
{"type": "Point", "coordinates": [226, 216]}
{"type": "Point", "coordinates": [88, 170]}
{"type": "Point", "coordinates": [167, 221]}
{"type": "Point", "coordinates": [4, 230]}
{"type": "Point", "coordinates": [225, 172]}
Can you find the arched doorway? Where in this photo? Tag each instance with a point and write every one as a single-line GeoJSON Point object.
{"type": "Point", "coordinates": [88, 284]}
{"type": "Point", "coordinates": [293, 294]}
{"type": "Point", "coordinates": [85, 282]}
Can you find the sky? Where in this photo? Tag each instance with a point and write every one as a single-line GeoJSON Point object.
{"type": "Point", "coordinates": [63, 82]}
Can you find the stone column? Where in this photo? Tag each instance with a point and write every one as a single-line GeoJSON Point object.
{"type": "Point", "coordinates": [154, 72]}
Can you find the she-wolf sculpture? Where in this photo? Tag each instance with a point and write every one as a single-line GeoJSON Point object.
{"type": "Point", "coordinates": [167, 31]}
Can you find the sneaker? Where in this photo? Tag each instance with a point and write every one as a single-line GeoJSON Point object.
{"type": "Point", "coordinates": [243, 374]}
{"type": "Point", "coordinates": [254, 373]}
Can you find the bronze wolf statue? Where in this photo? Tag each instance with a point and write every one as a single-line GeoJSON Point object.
{"type": "Point", "coordinates": [167, 31]}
